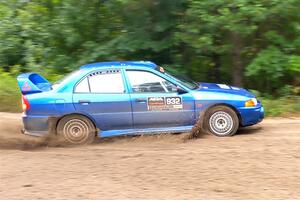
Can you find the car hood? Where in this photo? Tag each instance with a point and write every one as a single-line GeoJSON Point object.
{"type": "Point", "coordinates": [223, 88]}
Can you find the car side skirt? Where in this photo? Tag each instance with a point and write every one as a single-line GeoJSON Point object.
{"type": "Point", "coordinates": [110, 133]}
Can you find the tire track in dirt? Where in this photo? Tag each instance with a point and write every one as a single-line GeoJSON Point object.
{"type": "Point", "coordinates": [261, 162]}
{"type": "Point", "coordinates": [12, 138]}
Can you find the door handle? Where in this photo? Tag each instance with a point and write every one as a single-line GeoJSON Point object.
{"type": "Point", "coordinates": [84, 102]}
{"type": "Point", "coordinates": [141, 100]}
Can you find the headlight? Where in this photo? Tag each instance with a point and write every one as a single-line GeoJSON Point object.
{"type": "Point", "coordinates": [251, 103]}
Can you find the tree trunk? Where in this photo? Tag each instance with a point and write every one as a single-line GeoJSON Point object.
{"type": "Point", "coordinates": [217, 67]}
{"type": "Point", "coordinates": [238, 67]}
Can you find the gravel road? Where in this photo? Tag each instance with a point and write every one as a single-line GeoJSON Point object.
{"type": "Point", "coordinates": [261, 162]}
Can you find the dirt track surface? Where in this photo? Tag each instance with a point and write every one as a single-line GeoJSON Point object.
{"type": "Point", "coordinates": [261, 162]}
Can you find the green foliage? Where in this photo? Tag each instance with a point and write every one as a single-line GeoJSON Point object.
{"type": "Point", "coordinates": [237, 36]}
{"type": "Point", "coordinates": [294, 64]}
{"type": "Point", "coordinates": [10, 99]}
{"type": "Point", "coordinates": [250, 43]}
{"type": "Point", "coordinates": [283, 106]}
{"type": "Point", "coordinates": [268, 68]}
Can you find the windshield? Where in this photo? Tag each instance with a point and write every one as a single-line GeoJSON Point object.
{"type": "Point", "coordinates": [183, 80]}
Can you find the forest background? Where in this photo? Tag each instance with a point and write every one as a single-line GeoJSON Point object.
{"type": "Point", "coordinates": [248, 43]}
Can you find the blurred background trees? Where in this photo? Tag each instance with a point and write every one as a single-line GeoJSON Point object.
{"type": "Point", "coordinates": [249, 43]}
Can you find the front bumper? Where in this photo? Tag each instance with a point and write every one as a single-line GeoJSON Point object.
{"type": "Point", "coordinates": [251, 115]}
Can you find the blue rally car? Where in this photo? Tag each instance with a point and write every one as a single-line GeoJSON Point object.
{"type": "Point", "coordinates": [116, 98]}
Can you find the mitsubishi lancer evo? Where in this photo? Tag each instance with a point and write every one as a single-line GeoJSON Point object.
{"type": "Point", "coordinates": [131, 97]}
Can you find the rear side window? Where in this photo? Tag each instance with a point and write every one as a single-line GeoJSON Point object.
{"type": "Point", "coordinates": [109, 81]}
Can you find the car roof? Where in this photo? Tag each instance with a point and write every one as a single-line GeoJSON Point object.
{"type": "Point", "coordinates": [120, 64]}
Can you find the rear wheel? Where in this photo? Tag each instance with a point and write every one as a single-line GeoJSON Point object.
{"type": "Point", "coordinates": [76, 129]}
{"type": "Point", "coordinates": [221, 121]}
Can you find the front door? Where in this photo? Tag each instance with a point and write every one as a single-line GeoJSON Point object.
{"type": "Point", "coordinates": [156, 103]}
{"type": "Point", "coordinates": [102, 96]}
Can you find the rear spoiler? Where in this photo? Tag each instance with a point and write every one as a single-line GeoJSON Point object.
{"type": "Point", "coordinates": [30, 83]}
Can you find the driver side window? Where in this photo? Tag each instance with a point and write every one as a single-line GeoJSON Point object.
{"type": "Point", "coordinates": [143, 82]}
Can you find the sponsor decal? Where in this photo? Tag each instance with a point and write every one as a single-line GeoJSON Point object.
{"type": "Point", "coordinates": [26, 87]}
{"type": "Point", "coordinates": [164, 103]}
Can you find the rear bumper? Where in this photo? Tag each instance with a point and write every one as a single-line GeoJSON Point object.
{"type": "Point", "coordinates": [251, 116]}
{"type": "Point", "coordinates": [38, 125]}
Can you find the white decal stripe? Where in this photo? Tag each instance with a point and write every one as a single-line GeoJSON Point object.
{"type": "Point", "coordinates": [223, 86]}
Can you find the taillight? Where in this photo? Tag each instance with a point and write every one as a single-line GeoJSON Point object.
{"type": "Point", "coordinates": [25, 103]}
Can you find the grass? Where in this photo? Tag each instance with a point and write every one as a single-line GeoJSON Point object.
{"type": "Point", "coordinates": [10, 96]}
{"type": "Point", "coordinates": [283, 106]}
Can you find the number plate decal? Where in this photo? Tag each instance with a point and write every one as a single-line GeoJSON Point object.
{"type": "Point", "coordinates": [164, 103]}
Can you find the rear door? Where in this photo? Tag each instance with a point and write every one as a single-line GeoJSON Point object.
{"type": "Point", "coordinates": [102, 95]}
{"type": "Point", "coordinates": [156, 103]}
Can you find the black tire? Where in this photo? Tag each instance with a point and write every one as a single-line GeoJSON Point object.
{"type": "Point", "coordinates": [221, 121]}
{"type": "Point", "coordinates": [76, 129]}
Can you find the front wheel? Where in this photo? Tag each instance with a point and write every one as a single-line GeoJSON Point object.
{"type": "Point", "coordinates": [76, 129]}
{"type": "Point", "coordinates": [221, 121]}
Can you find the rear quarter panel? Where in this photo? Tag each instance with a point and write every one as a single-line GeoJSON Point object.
{"type": "Point", "coordinates": [51, 104]}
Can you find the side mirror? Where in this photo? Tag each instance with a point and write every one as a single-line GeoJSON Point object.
{"type": "Point", "coordinates": [180, 90]}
